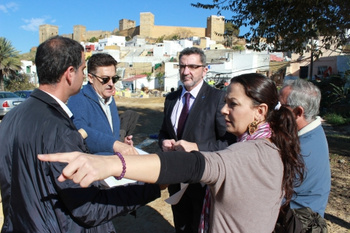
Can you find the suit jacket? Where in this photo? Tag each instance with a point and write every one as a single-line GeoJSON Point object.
{"type": "Point", "coordinates": [205, 124]}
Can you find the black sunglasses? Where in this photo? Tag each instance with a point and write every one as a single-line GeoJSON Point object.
{"type": "Point", "coordinates": [106, 79]}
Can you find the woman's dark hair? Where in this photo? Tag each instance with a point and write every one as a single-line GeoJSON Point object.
{"type": "Point", "coordinates": [54, 56]}
{"type": "Point", "coordinates": [283, 125]}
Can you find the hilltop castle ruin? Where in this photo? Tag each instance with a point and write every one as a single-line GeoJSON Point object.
{"type": "Point", "coordinates": [214, 30]}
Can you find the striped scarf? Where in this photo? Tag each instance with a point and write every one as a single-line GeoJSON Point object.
{"type": "Point", "coordinates": [263, 131]}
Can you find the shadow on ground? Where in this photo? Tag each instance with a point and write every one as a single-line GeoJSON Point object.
{"type": "Point", "coordinates": [337, 220]}
{"type": "Point", "coordinates": [146, 220]}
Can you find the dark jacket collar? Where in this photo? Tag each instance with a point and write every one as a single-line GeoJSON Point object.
{"type": "Point", "coordinates": [46, 98]}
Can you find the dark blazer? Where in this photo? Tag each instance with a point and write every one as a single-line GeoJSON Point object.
{"type": "Point", "coordinates": [33, 199]}
{"type": "Point", "coordinates": [206, 126]}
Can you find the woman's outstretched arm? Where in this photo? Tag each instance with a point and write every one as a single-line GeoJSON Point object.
{"type": "Point", "coordinates": [86, 168]}
{"type": "Point", "coordinates": [162, 168]}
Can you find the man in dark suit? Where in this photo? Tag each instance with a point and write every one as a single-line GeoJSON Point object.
{"type": "Point", "coordinates": [204, 130]}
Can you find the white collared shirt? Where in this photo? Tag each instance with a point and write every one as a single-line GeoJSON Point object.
{"type": "Point", "coordinates": [312, 125]}
{"type": "Point", "coordinates": [175, 115]}
{"type": "Point", "coordinates": [106, 108]}
{"type": "Point", "coordinates": [63, 105]}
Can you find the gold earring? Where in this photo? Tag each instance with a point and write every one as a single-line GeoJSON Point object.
{"type": "Point", "coordinates": [252, 127]}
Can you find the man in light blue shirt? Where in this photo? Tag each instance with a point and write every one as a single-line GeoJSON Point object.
{"type": "Point", "coordinates": [304, 98]}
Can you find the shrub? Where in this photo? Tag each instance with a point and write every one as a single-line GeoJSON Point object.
{"type": "Point", "coordinates": [335, 96]}
{"type": "Point", "coordinates": [20, 82]}
{"type": "Point", "coordinates": [335, 119]}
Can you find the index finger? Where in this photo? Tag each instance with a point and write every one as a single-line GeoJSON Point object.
{"type": "Point", "coordinates": [58, 157]}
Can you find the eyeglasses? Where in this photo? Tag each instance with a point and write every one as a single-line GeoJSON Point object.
{"type": "Point", "coordinates": [105, 80]}
{"type": "Point", "coordinates": [190, 67]}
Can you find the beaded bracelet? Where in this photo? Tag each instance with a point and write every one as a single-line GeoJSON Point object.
{"type": "Point", "coordinates": [123, 164]}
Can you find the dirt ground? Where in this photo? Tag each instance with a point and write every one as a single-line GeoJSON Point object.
{"type": "Point", "coordinates": [157, 216]}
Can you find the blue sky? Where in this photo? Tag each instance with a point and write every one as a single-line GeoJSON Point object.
{"type": "Point", "coordinates": [20, 19]}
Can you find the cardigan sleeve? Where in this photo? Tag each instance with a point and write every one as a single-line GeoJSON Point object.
{"type": "Point", "coordinates": [180, 167]}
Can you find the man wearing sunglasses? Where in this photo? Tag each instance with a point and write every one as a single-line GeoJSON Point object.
{"type": "Point", "coordinates": [95, 111]}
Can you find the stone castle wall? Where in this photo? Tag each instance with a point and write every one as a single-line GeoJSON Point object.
{"type": "Point", "coordinates": [46, 31]}
{"type": "Point", "coordinates": [214, 30]}
{"type": "Point", "coordinates": [125, 24]}
{"type": "Point", "coordinates": [183, 32]}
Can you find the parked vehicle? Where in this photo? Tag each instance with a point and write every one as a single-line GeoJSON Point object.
{"type": "Point", "coordinates": [23, 94]}
{"type": "Point", "coordinates": [8, 101]}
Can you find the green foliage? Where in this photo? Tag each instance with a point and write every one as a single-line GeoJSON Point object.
{"type": "Point", "coordinates": [160, 74]}
{"type": "Point", "coordinates": [20, 82]}
{"type": "Point", "coordinates": [93, 39]}
{"type": "Point", "coordinates": [340, 94]}
{"type": "Point", "coordinates": [238, 47]}
{"type": "Point", "coordinates": [335, 98]}
{"type": "Point", "coordinates": [287, 24]}
{"type": "Point", "coordinates": [231, 29]}
{"type": "Point", "coordinates": [336, 119]}
{"type": "Point", "coordinates": [10, 62]}
{"type": "Point", "coordinates": [160, 78]}
{"type": "Point", "coordinates": [230, 35]}
{"type": "Point", "coordinates": [175, 37]}
{"type": "Point", "coordinates": [28, 56]}
{"type": "Point", "coordinates": [148, 75]}
{"type": "Point", "coordinates": [160, 39]}
{"type": "Point", "coordinates": [172, 37]}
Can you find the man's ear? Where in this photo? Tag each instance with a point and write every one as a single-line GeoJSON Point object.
{"type": "Point", "coordinates": [90, 78]}
{"type": "Point", "coordinates": [69, 74]}
{"type": "Point", "coordinates": [298, 112]}
{"type": "Point", "coordinates": [205, 70]}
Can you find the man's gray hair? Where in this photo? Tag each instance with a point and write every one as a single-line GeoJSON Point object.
{"type": "Point", "coordinates": [194, 50]}
{"type": "Point", "coordinates": [305, 94]}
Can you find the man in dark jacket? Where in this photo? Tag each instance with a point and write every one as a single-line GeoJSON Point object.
{"type": "Point", "coordinates": [33, 199]}
{"type": "Point", "coordinates": [203, 128]}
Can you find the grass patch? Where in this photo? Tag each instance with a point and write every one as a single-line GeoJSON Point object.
{"type": "Point", "coordinates": [336, 119]}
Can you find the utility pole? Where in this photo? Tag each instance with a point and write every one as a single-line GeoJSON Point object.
{"type": "Point", "coordinates": [312, 60]}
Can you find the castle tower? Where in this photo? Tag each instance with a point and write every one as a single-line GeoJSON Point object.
{"type": "Point", "coordinates": [79, 32]}
{"type": "Point", "coordinates": [46, 31]}
{"type": "Point", "coordinates": [146, 24]}
{"type": "Point", "coordinates": [215, 28]}
{"type": "Point", "coordinates": [125, 24]}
